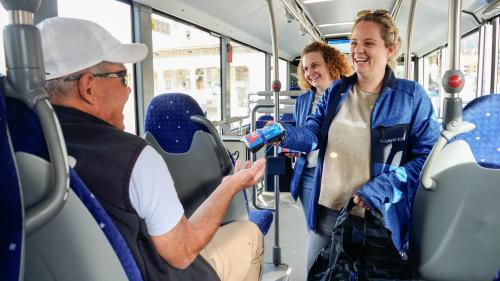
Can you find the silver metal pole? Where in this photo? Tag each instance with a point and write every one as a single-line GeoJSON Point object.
{"type": "Point", "coordinates": [409, 35]}
{"type": "Point", "coordinates": [453, 79]}
{"type": "Point", "coordinates": [276, 87]}
{"type": "Point", "coordinates": [454, 10]}
{"type": "Point", "coordinates": [253, 157]}
{"type": "Point", "coordinates": [396, 9]}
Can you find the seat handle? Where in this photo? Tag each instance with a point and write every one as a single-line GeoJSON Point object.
{"type": "Point", "coordinates": [224, 160]}
{"type": "Point", "coordinates": [428, 171]}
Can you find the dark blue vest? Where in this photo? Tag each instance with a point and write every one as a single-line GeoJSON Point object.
{"type": "Point", "coordinates": [105, 158]}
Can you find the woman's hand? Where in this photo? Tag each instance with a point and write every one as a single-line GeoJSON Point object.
{"type": "Point", "coordinates": [360, 203]}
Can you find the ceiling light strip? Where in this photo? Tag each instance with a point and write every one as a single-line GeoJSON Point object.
{"type": "Point", "coordinates": [336, 24]}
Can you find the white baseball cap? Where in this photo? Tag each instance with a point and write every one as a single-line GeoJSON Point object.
{"type": "Point", "coordinates": [71, 45]}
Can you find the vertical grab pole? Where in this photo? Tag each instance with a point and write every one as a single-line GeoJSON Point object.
{"type": "Point", "coordinates": [453, 79]}
{"type": "Point", "coordinates": [409, 32]}
{"type": "Point", "coordinates": [276, 87]}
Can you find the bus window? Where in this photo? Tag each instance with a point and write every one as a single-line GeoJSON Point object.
{"type": "Point", "coordinates": [283, 73]}
{"type": "Point", "coordinates": [432, 78]}
{"type": "Point", "coordinates": [187, 60]}
{"type": "Point", "coordinates": [119, 25]}
{"type": "Point", "coordinates": [247, 76]}
{"type": "Point", "coordinates": [469, 54]}
{"type": "Point", "coordinates": [3, 23]}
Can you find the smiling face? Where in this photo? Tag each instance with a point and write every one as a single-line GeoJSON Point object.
{"type": "Point", "coordinates": [316, 71]}
{"type": "Point", "coordinates": [369, 53]}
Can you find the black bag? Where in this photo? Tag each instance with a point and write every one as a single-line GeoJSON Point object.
{"type": "Point", "coordinates": [359, 249]}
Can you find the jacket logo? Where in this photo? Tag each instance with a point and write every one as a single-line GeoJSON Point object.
{"type": "Point", "coordinates": [391, 140]}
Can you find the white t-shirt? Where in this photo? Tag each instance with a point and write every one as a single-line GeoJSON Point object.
{"type": "Point", "coordinates": [346, 166]}
{"type": "Point", "coordinates": [152, 193]}
{"type": "Point", "coordinates": [312, 157]}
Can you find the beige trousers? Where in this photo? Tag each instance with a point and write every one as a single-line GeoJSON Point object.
{"type": "Point", "coordinates": [236, 252]}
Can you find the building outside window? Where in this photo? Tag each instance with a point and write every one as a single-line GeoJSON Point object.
{"type": "Point", "coordinates": [246, 76]}
{"type": "Point", "coordinates": [469, 55]}
{"type": "Point", "coordinates": [432, 79]}
{"type": "Point", "coordinates": [188, 61]}
{"type": "Point", "coordinates": [119, 25]}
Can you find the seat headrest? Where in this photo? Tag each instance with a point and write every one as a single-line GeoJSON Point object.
{"type": "Point", "coordinates": [167, 118]}
{"type": "Point", "coordinates": [286, 117]}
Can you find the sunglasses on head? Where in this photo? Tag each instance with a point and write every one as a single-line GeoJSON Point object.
{"type": "Point", "coordinates": [122, 74]}
{"type": "Point", "coordinates": [375, 13]}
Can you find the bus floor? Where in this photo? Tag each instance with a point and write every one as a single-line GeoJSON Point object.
{"type": "Point", "coordinates": [293, 238]}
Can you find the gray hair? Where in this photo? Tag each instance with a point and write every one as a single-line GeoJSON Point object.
{"type": "Point", "coordinates": [57, 88]}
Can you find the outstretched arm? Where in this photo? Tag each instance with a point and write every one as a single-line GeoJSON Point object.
{"type": "Point", "coordinates": [180, 246]}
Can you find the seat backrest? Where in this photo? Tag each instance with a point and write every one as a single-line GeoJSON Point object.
{"type": "Point", "coordinates": [455, 227]}
{"type": "Point", "coordinates": [167, 119]}
{"type": "Point", "coordinates": [11, 216]}
{"type": "Point", "coordinates": [484, 140]}
{"type": "Point", "coordinates": [60, 250]}
{"type": "Point", "coordinates": [197, 160]}
{"type": "Point", "coordinates": [261, 121]}
{"type": "Point", "coordinates": [287, 118]}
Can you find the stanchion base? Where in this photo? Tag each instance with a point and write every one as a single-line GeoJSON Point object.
{"type": "Point", "coordinates": [280, 272]}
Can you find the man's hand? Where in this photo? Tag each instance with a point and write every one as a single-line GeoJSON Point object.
{"type": "Point", "coordinates": [246, 177]}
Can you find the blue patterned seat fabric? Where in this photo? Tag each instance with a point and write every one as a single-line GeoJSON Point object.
{"type": "Point", "coordinates": [484, 140]}
{"type": "Point", "coordinates": [11, 215]}
{"type": "Point", "coordinates": [261, 121]}
{"type": "Point", "coordinates": [167, 119]}
{"type": "Point", "coordinates": [27, 136]}
{"type": "Point", "coordinates": [287, 118]}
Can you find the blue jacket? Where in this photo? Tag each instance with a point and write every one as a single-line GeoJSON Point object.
{"type": "Point", "coordinates": [303, 106]}
{"type": "Point", "coordinates": [404, 129]}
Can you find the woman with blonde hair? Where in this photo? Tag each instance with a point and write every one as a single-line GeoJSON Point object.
{"type": "Point", "coordinates": [374, 133]}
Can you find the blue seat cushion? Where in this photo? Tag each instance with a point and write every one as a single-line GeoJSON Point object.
{"type": "Point", "coordinates": [262, 218]}
{"type": "Point", "coordinates": [484, 140]}
{"type": "Point", "coordinates": [11, 213]}
{"type": "Point", "coordinates": [167, 119]}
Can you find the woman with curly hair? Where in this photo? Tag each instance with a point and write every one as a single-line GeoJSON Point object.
{"type": "Point", "coordinates": [320, 65]}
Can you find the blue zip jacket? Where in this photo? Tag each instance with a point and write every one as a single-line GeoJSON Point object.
{"type": "Point", "coordinates": [302, 110]}
{"type": "Point", "coordinates": [404, 129]}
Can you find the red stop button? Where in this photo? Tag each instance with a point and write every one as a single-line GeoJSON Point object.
{"type": "Point", "coordinates": [455, 81]}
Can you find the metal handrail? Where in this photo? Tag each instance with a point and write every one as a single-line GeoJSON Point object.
{"type": "Point", "coordinates": [25, 77]}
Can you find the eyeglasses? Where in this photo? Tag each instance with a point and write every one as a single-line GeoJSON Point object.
{"type": "Point", "coordinates": [122, 74]}
{"type": "Point", "coordinates": [375, 13]}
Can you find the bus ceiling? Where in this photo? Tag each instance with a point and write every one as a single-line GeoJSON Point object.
{"type": "Point", "coordinates": [301, 21]}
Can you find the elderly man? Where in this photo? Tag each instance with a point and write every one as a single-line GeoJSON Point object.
{"type": "Point", "coordinates": [87, 84]}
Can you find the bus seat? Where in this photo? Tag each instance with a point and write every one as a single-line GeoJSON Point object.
{"type": "Point", "coordinates": [287, 118]}
{"type": "Point", "coordinates": [176, 126]}
{"type": "Point", "coordinates": [60, 249]}
{"type": "Point", "coordinates": [484, 141]}
{"type": "Point", "coordinates": [261, 121]}
{"type": "Point", "coordinates": [11, 216]}
{"type": "Point", "coordinates": [455, 226]}
{"type": "Point", "coordinates": [262, 218]}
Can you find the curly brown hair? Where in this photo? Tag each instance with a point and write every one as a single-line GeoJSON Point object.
{"type": "Point", "coordinates": [335, 61]}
